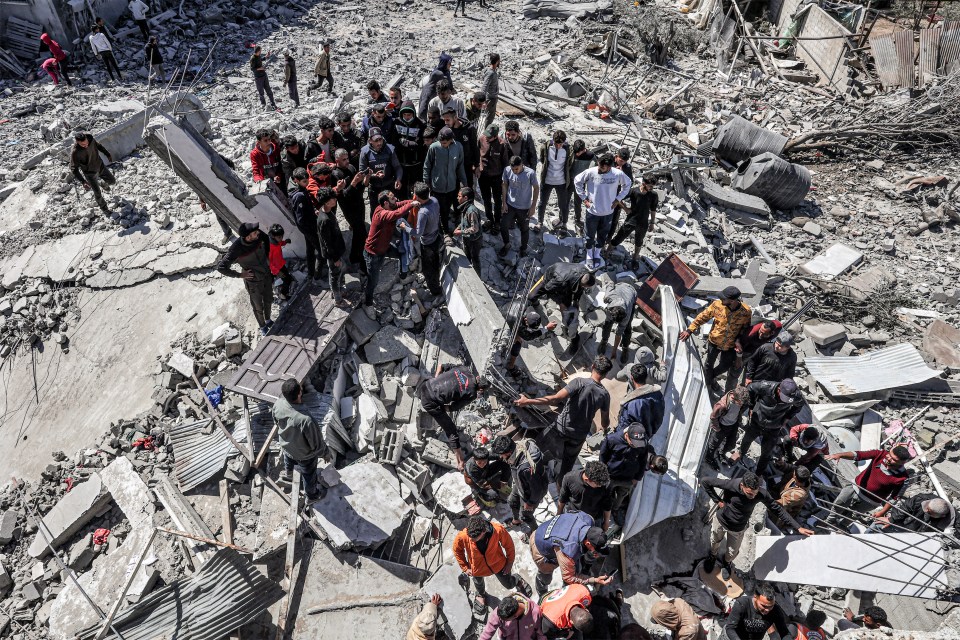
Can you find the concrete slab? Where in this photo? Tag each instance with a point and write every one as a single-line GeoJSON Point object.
{"type": "Point", "coordinates": [21, 206]}
{"type": "Point", "coordinates": [8, 526]}
{"type": "Point", "coordinates": [360, 327]}
{"type": "Point", "coordinates": [272, 525]}
{"type": "Point", "coordinates": [363, 510]}
{"type": "Point", "coordinates": [129, 491]}
{"type": "Point", "coordinates": [449, 490]}
{"type": "Point", "coordinates": [724, 197]}
{"type": "Point", "coordinates": [390, 344]}
{"type": "Point", "coordinates": [824, 333]}
{"type": "Point", "coordinates": [78, 507]}
{"type": "Point", "coordinates": [837, 259]}
{"type": "Point", "coordinates": [456, 604]}
{"type": "Point", "coordinates": [941, 341]}
{"type": "Point", "coordinates": [711, 285]}
{"type": "Point", "coordinates": [868, 283]}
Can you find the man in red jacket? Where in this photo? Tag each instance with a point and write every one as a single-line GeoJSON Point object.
{"type": "Point", "coordinates": [880, 482]}
{"type": "Point", "coordinates": [265, 161]}
{"type": "Point", "coordinates": [382, 224]}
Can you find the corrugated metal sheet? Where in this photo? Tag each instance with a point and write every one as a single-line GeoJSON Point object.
{"type": "Point", "coordinates": [779, 183]}
{"type": "Point", "coordinates": [672, 272]}
{"type": "Point", "coordinates": [226, 593]}
{"type": "Point", "coordinates": [682, 436]}
{"type": "Point", "coordinates": [740, 139]}
{"type": "Point", "coordinates": [885, 60]}
{"type": "Point", "coordinates": [298, 340]}
{"type": "Point", "coordinates": [929, 52]}
{"type": "Point", "coordinates": [949, 48]}
{"type": "Point", "coordinates": [198, 453]}
{"type": "Point", "coordinates": [896, 366]}
{"type": "Point", "coordinates": [903, 42]}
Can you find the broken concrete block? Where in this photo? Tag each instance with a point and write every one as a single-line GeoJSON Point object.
{"type": "Point", "coordinates": [8, 526]}
{"type": "Point", "coordinates": [868, 283]}
{"type": "Point", "coordinates": [413, 474]}
{"type": "Point", "coordinates": [941, 341]}
{"type": "Point", "coordinates": [233, 345]}
{"type": "Point", "coordinates": [273, 523]}
{"type": "Point", "coordinates": [456, 604]}
{"type": "Point", "coordinates": [81, 553]}
{"type": "Point", "coordinates": [33, 591]}
{"type": "Point", "coordinates": [368, 378]}
{"type": "Point", "coordinates": [129, 491]}
{"type": "Point", "coordinates": [712, 286]}
{"type": "Point", "coordinates": [221, 334]}
{"type": "Point", "coordinates": [730, 199]}
{"type": "Point", "coordinates": [824, 333]}
{"type": "Point", "coordinates": [181, 363]}
{"type": "Point", "coordinates": [837, 259]}
{"type": "Point", "coordinates": [390, 344]}
{"type": "Point", "coordinates": [439, 453]}
{"type": "Point", "coordinates": [391, 446]}
{"type": "Point", "coordinates": [389, 390]}
{"type": "Point", "coordinates": [813, 229]}
{"type": "Point", "coordinates": [82, 504]}
{"type": "Point", "coordinates": [411, 376]}
{"type": "Point", "coordinates": [360, 327]}
{"type": "Point", "coordinates": [403, 410]}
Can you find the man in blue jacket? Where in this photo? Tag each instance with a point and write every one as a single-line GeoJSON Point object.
{"type": "Point", "coordinates": [627, 456]}
{"type": "Point", "coordinates": [570, 542]}
{"type": "Point", "coordinates": [644, 404]}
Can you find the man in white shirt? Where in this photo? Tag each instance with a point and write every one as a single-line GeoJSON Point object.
{"type": "Point", "coordinates": [102, 49]}
{"type": "Point", "coordinates": [139, 9]}
{"type": "Point", "coordinates": [556, 162]}
{"type": "Point", "coordinates": [445, 98]}
{"type": "Point", "coordinates": [600, 187]}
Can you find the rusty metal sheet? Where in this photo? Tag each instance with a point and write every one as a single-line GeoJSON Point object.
{"type": "Point", "coordinates": [885, 60]}
{"type": "Point", "coordinates": [903, 42]}
{"type": "Point", "coordinates": [949, 48]}
{"type": "Point", "coordinates": [672, 272]}
{"type": "Point", "coordinates": [929, 53]}
{"type": "Point", "coordinates": [297, 342]}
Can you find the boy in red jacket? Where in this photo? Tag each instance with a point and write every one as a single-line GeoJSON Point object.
{"type": "Point", "coordinates": [278, 264]}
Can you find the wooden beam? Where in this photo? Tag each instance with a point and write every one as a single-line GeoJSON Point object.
{"type": "Point", "coordinates": [292, 526]}
{"type": "Point", "coordinates": [216, 418]}
{"type": "Point", "coordinates": [262, 455]}
{"type": "Point", "coordinates": [190, 536]}
{"type": "Point", "coordinates": [225, 512]}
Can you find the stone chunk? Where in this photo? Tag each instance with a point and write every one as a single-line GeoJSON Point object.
{"type": "Point", "coordinates": [360, 327]}
{"type": "Point", "coordinates": [390, 344]}
{"type": "Point", "coordinates": [8, 526]}
{"type": "Point", "coordinates": [941, 341]}
{"type": "Point", "coordinates": [5, 581]}
{"type": "Point", "coordinates": [84, 502]}
{"type": "Point", "coordinates": [837, 259]}
{"type": "Point", "coordinates": [181, 363]}
{"type": "Point", "coordinates": [824, 333]}
{"type": "Point", "coordinates": [368, 378]}
{"type": "Point", "coordinates": [813, 229]}
{"type": "Point", "coordinates": [33, 591]}
{"type": "Point", "coordinates": [128, 491]}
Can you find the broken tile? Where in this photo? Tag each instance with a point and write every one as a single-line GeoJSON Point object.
{"type": "Point", "coordinates": [390, 344]}
{"type": "Point", "coordinates": [82, 504]}
{"type": "Point", "coordinates": [837, 259]}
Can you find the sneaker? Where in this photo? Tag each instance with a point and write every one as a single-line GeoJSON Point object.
{"type": "Point", "coordinates": [503, 251]}
{"type": "Point", "coordinates": [321, 493]}
{"type": "Point", "coordinates": [709, 564]}
{"type": "Point", "coordinates": [725, 573]}
{"type": "Point", "coordinates": [523, 587]}
{"type": "Point", "coordinates": [264, 330]}
{"type": "Point", "coordinates": [105, 185]}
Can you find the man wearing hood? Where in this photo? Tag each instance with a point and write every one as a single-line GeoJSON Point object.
{"type": "Point", "coordinates": [530, 481]}
{"type": "Point", "coordinates": [620, 304]}
{"type": "Point", "coordinates": [380, 160]}
{"type": "Point", "coordinates": [252, 252]}
{"type": "Point", "coordinates": [429, 90]}
{"type": "Point", "coordinates": [59, 55]}
{"type": "Point", "coordinates": [407, 140]}
{"type": "Point", "coordinates": [656, 371]}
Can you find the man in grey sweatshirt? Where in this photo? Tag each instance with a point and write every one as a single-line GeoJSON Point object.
{"type": "Point", "coordinates": [444, 172]}
{"type": "Point", "coordinates": [301, 440]}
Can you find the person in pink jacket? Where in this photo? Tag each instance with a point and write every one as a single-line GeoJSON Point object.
{"type": "Point", "coordinates": [516, 617]}
{"type": "Point", "coordinates": [58, 54]}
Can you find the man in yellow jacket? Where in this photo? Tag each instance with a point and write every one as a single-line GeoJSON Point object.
{"type": "Point", "coordinates": [485, 549]}
{"type": "Point", "coordinates": [730, 318]}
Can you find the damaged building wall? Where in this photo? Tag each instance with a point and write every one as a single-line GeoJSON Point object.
{"type": "Point", "coordinates": [59, 19]}
{"type": "Point", "coordinates": [826, 55]}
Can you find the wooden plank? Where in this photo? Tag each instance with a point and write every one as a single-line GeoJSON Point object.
{"type": "Point", "coordinates": [225, 512]}
{"type": "Point", "coordinates": [291, 555]}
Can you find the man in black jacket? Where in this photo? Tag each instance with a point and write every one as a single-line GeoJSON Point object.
{"type": "Point", "coordinates": [252, 252]}
{"type": "Point", "coordinates": [564, 283]}
{"type": "Point", "coordinates": [331, 240]}
{"type": "Point", "coordinates": [88, 168]}
{"type": "Point", "coordinates": [641, 215]}
{"type": "Point", "coordinates": [351, 204]}
{"type": "Point", "coordinates": [346, 137]}
{"type": "Point", "coordinates": [921, 513]}
{"type": "Point", "coordinates": [773, 361]}
{"type": "Point", "coordinates": [520, 144]}
{"type": "Point", "coordinates": [466, 134]}
{"type": "Point", "coordinates": [323, 143]}
{"type": "Point", "coordinates": [587, 490]}
{"type": "Point", "coordinates": [293, 156]}
{"type": "Point", "coordinates": [737, 501]}
{"type": "Point", "coordinates": [751, 616]}
{"type": "Point", "coordinates": [488, 477]}
{"type": "Point", "coordinates": [304, 210]}
{"type": "Point", "coordinates": [407, 141]}
{"type": "Point", "coordinates": [627, 456]}
{"type": "Point", "coordinates": [450, 390]}
{"type": "Point", "coordinates": [556, 164]}
{"type": "Point", "coordinates": [772, 404]}
{"type": "Point", "coordinates": [530, 480]}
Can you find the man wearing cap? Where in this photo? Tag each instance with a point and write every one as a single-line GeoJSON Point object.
{"type": "Point", "coordinates": [466, 134]}
{"type": "Point", "coordinates": [565, 612]}
{"type": "Point", "coordinates": [773, 361]}
{"type": "Point", "coordinates": [530, 481]}
{"type": "Point", "coordinates": [430, 235]}
{"type": "Point", "coordinates": [772, 404]}
{"type": "Point", "coordinates": [476, 108]}
{"type": "Point", "coordinates": [520, 190]}
{"type": "Point", "coordinates": [582, 398]}
{"type": "Point", "coordinates": [730, 316]}
{"type": "Point", "coordinates": [322, 70]}
{"type": "Point", "coordinates": [556, 165]}
{"type": "Point", "coordinates": [737, 499]}
{"type": "Point", "coordinates": [619, 305]}
{"type": "Point", "coordinates": [880, 482]}
{"type": "Point", "coordinates": [600, 188]}
{"type": "Point", "coordinates": [445, 98]}
{"type": "Point", "coordinates": [382, 225]}
{"type": "Point", "coordinates": [494, 158]}
{"type": "Point", "coordinates": [570, 542]}
{"type": "Point", "coordinates": [452, 389]}
{"type": "Point", "coordinates": [252, 252]}
{"type": "Point", "coordinates": [644, 404]}
{"type": "Point", "coordinates": [380, 162]}
{"type": "Point", "coordinates": [322, 147]}
{"type": "Point", "coordinates": [87, 167]}
{"type": "Point", "coordinates": [490, 85]}
{"type": "Point", "coordinates": [520, 144]}
{"type": "Point", "coordinates": [444, 171]}
{"type": "Point", "coordinates": [627, 456]}
{"type": "Point", "coordinates": [346, 137]}
{"type": "Point", "coordinates": [920, 513]}
{"type": "Point", "coordinates": [469, 230]}
{"type": "Point", "coordinates": [641, 215]}
{"type": "Point", "coordinates": [407, 140]}
{"type": "Point", "coordinates": [530, 328]}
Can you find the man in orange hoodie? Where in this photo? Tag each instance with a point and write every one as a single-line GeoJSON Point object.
{"type": "Point", "coordinates": [484, 549]}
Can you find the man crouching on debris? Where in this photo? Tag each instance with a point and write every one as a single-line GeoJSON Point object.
{"type": "Point", "coordinates": [252, 252]}
{"type": "Point", "coordinates": [300, 440]}
{"type": "Point", "coordinates": [452, 389]}
{"type": "Point", "coordinates": [88, 168]}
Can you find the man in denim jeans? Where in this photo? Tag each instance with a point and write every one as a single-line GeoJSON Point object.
{"type": "Point", "coordinates": [301, 440]}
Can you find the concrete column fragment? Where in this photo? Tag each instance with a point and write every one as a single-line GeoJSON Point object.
{"type": "Point", "coordinates": [82, 504]}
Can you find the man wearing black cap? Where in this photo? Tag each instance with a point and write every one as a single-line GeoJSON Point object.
{"type": "Point", "coordinates": [627, 456]}
{"type": "Point", "coordinates": [493, 160]}
{"type": "Point", "coordinates": [520, 144]}
{"type": "Point", "coordinates": [530, 328]}
{"type": "Point", "coordinates": [466, 134]}
{"type": "Point", "coordinates": [452, 389]}
{"type": "Point", "coordinates": [619, 306]}
{"type": "Point", "coordinates": [641, 215]}
{"type": "Point", "coordinates": [444, 171]}
{"type": "Point", "coordinates": [476, 108]}
{"type": "Point", "coordinates": [730, 316]}
{"type": "Point", "coordinates": [407, 140]}
{"type": "Point", "coordinates": [570, 542]}
{"type": "Point", "coordinates": [772, 405]}
{"type": "Point", "coordinates": [773, 361]}
{"type": "Point", "coordinates": [87, 167]}
{"type": "Point", "coordinates": [252, 252]}
{"type": "Point", "coordinates": [380, 162]}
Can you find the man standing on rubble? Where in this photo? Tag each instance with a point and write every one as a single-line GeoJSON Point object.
{"type": "Point", "coordinates": [529, 471]}
{"type": "Point", "coordinates": [772, 405]}
{"type": "Point", "coordinates": [619, 305]}
{"type": "Point", "coordinates": [452, 389]}
{"type": "Point", "coordinates": [103, 50]}
{"type": "Point", "coordinates": [556, 164]}
{"type": "Point", "coordinates": [290, 76]}
{"type": "Point", "coordinates": [303, 206]}
{"type": "Point", "coordinates": [643, 405]}
{"type": "Point", "coordinates": [773, 361]}
{"type": "Point", "coordinates": [381, 164]}
{"type": "Point", "coordinates": [301, 440]}
{"type": "Point", "coordinates": [627, 456]}
{"type": "Point", "coordinates": [466, 134]}
{"type": "Point", "coordinates": [736, 502]}
{"type": "Point", "coordinates": [407, 140]}
{"type": "Point", "coordinates": [565, 283]}
{"type": "Point", "coordinates": [641, 215]}
{"type": "Point", "coordinates": [429, 89]}
{"type": "Point", "coordinates": [322, 70]}
{"type": "Point", "coordinates": [582, 160]}
{"type": "Point", "coordinates": [260, 78]}
{"type": "Point", "coordinates": [730, 316]}
{"type": "Point", "coordinates": [520, 190]}
{"type": "Point", "coordinates": [350, 201]}
{"type": "Point", "coordinates": [878, 485]}
{"type": "Point", "coordinates": [750, 340]}
{"type": "Point", "coordinates": [485, 549]}
{"type": "Point", "coordinates": [88, 168]}
{"type": "Point", "coordinates": [493, 160]}
{"type": "Point", "coordinates": [520, 144]}
{"type": "Point", "coordinates": [332, 246]}
{"type": "Point", "coordinates": [139, 11]}
{"type": "Point", "coordinates": [570, 542]}
{"type": "Point", "coordinates": [490, 85]}
{"type": "Point", "coordinates": [600, 188]}
{"type": "Point", "coordinates": [587, 490]}
{"type": "Point", "coordinates": [382, 225]}
{"type": "Point", "coordinates": [725, 421]}
{"type": "Point", "coordinates": [429, 233]}
{"type": "Point", "coordinates": [582, 398]}
{"type": "Point", "coordinates": [444, 171]}
{"type": "Point", "coordinates": [252, 252]}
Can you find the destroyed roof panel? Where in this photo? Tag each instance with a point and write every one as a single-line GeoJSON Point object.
{"type": "Point", "coordinates": [903, 42]}
{"type": "Point", "coordinates": [226, 593]}
{"type": "Point", "coordinates": [672, 272]}
{"type": "Point", "coordinates": [949, 47]}
{"type": "Point", "coordinates": [896, 366]}
{"type": "Point", "coordinates": [682, 437]}
{"type": "Point", "coordinates": [885, 60]}
{"type": "Point", "coordinates": [198, 455]}
{"type": "Point", "coordinates": [929, 51]}
{"type": "Point", "coordinates": [297, 342]}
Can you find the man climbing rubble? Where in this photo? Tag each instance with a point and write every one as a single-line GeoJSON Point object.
{"type": "Point", "coordinates": [772, 406]}
{"type": "Point", "coordinates": [572, 543]}
{"type": "Point", "coordinates": [252, 252]}
{"type": "Point", "coordinates": [485, 549]}
{"type": "Point", "coordinates": [619, 305]}
{"type": "Point", "coordinates": [301, 440]}
{"type": "Point", "coordinates": [881, 481]}
{"type": "Point", "coordinates": [87, 166]}
{"type": "Point", "coordinates": [730, 316]}
{"type": "Point", "coordinates": [488, 477]}
{"type": "Point", "coordinates": [627, 456]}
{"type": "Point", "coordinates": [527, 327]}
{"type": "Point", "coordinates": [529, 471]}
{"type": "Point", "coordinates": [452, 389]}
{"type": "Point", "coordinates": [641, 215]}
{"type": "Point", "coordinates": [565, 283]}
